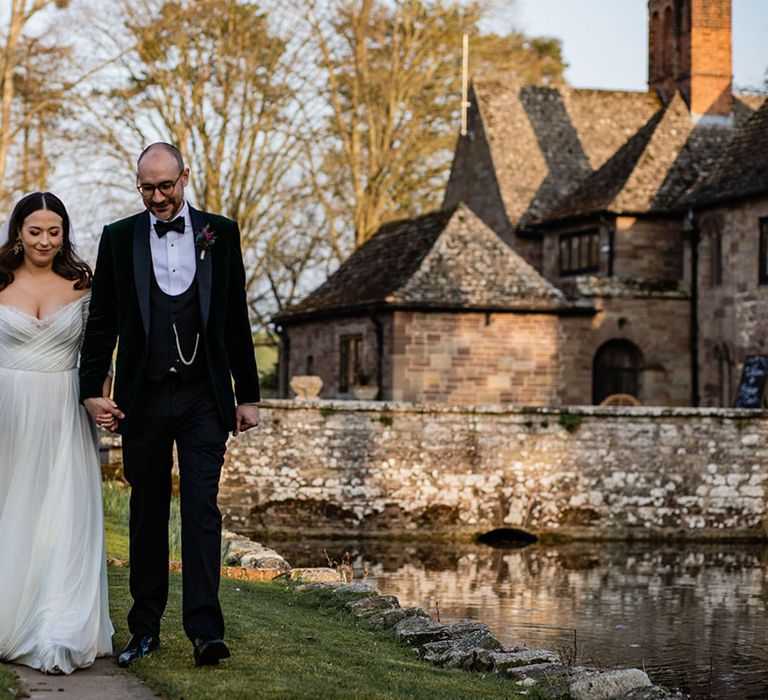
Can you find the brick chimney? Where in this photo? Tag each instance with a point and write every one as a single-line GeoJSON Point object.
{"type": "Point", "coordinates": [689, 49]}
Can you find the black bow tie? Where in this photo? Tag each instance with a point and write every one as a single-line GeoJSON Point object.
{"type": "Point", "coordinates": [162, 227]}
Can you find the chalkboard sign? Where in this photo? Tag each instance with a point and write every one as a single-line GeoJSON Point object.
{"type": "Point", "coordinates": [752, 384]}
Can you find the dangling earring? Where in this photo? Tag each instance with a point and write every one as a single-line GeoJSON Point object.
{"type": "Point", "coordinates": [18, 247]}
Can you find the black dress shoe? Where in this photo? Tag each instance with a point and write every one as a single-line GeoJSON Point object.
{"type": "Point", "coordinates": [137, 648]}
{"type": "Point", "coordinates": [208, 652]}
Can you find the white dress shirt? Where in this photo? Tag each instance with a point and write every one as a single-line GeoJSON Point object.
{"type": "Point", "coordinates": [173, 255]}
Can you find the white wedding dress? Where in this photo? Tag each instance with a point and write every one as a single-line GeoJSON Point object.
{"type": "Point", "coordinates": [54, 613]}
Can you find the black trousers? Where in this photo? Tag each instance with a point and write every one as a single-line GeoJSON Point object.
{"type": "Point", "coordinates": [184, 413]}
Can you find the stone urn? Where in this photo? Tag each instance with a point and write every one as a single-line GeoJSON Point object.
{"type": "Point", "coordinates": [364, 392]}
{"type": "Point", "coordinates": [306, 386]}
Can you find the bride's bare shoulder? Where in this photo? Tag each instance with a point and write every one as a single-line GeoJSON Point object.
{"type": "Point", "coordinates": [66, 290]}
{"type": "Point", "coordinates": [75, 294]}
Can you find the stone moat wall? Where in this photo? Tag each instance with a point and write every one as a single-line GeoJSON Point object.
{"type": "Point", "coordinates": [409, 470]}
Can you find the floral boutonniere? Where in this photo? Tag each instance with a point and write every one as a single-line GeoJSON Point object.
{"type": "Point", "coordinates": [204, 239]}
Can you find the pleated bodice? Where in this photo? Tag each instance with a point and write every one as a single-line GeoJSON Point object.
{"type": "Point", "coordinates": [49, 344]}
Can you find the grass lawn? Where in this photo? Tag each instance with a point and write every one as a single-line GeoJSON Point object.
{"type": "Point", "coordinates": [284, 645]}
{"type": "Point", "coordinates": [115, 497]}
{"type": "Point", "coordinates": [9, 686]}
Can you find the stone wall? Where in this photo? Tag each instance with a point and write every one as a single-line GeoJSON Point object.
{"type": "Point", "coordinates": [469, 358]}
{"type": "Point", "coordinates": [454, 358]}
{"type": "Point", "coordinates": [643, 249]}
{"type": "Point", "coordinates": [534, 359]}
{"type": "Point", "coordinates": [420, 471]}
{"type": "Point", "coordinates": [658, 326]}
{"type": "Point", "coordinates": [733, 311]}
{"type": "Point", "coordinates": [648, 249]}
{"type": "Point", "coordinates": [315, 349]}
{"type": "Point", "coordinates": [643, 302]}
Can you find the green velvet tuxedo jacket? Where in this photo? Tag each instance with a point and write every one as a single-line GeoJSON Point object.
{"type": "Point", "coordinates": [119, 313]}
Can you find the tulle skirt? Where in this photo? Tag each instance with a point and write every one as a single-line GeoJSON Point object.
{"type": "Point", "coordinates": [54, 613]}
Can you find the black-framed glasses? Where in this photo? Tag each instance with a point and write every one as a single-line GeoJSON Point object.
{"type": "Point", "coordinates": [166, 188]}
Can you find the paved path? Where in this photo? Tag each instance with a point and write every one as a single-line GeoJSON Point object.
{"type": "Point", "coordinates": [102, 681]}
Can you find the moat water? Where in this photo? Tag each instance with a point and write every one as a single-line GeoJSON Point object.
{"type": "Point", "coordinates": [694, 616]}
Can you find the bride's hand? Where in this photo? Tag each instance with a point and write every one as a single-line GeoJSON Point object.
{"type": "Point", "coordinates": [104, 412]}
{"type": "Point", "coordinates": [107, 421]}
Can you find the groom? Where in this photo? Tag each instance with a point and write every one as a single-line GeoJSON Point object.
{"type": "Point", "coordinates": [169, 286]}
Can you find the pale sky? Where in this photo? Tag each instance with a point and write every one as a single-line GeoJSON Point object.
{"type": "Point", "coordinates": [605, 42]}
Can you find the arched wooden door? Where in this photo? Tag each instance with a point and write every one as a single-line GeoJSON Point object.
{"type": "Point", "coordinates": [617, 369]}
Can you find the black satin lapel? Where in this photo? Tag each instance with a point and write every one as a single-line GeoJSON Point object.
{"type": "Point", "coordinates": [142, 260]}
{"type": "Point", "coordinates": [204, 269]}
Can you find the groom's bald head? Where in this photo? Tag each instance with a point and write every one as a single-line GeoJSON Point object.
{"type": "Point", "coordinates": [162, 147]}
{"type": "Point", "coordinates": [161, 178]}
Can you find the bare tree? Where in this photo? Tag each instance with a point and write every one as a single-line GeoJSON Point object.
{"type": "Point", "coordinates": [30, 94]}
{"type": "Point", "coordinates": [41, 95]}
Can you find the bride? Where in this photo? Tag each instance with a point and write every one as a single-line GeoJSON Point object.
{"type": "Point", "coordinates": [54, 613]}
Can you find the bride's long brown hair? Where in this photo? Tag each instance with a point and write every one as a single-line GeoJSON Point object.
{"type": "Point", "coordinates": [66, 264]}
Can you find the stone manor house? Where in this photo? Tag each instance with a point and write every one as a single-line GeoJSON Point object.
{"type": "Point", "coordinates": [590, 243]}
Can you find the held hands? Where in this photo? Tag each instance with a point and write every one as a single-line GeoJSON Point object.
{"type": "Point", "coordinates": [246, 417]}
{"type": "Point", "coordinates": [104, 412]}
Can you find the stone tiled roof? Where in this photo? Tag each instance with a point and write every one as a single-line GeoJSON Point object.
{"type": "Point", "coordinates": [378, 267]}
{"type": "Point", "coordinates": [470, 266]}
{"type": "Point", "coordinates": [561, 152]}
{"type": "Point", "coordinates": [743, 169]}
{"type": "Point", "coordinates": [604, 186]}
{"type": "Point", "coordinates": [655, 168]}
{"type": "Point", "coordinates": [545, 141]}
{"type": "Point", "coordinates": [445, 259]}
{"type": "Point", "coordinates": [751, 102]}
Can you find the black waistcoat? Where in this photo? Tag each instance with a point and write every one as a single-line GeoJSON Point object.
{"type": "Point", "coordinates": [165, 310]}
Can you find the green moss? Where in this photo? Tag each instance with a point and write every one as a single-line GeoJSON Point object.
{"type": "Point", "coordinates": [528, 424]}
{"type": "Point", "coordinates": [386, 421]}
{"type": "Point", "coordinates": [545, 424]}
{"type": "Point", "coordinates": [570, 421]}
{"type": "Point", "coordinates": [325, 411]}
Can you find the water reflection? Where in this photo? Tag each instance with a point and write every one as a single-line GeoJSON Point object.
{"type": "Point", "coordinates": [693, 616]}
